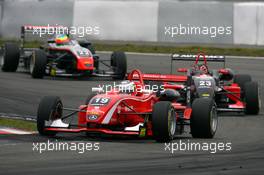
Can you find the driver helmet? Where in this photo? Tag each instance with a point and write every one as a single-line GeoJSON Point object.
{"type": "Point", "coordinates": [203, 68]}
{"type": "Point", "coordinates": [126, 86]}
{"type": "Point", "coordinates": [62, 39]}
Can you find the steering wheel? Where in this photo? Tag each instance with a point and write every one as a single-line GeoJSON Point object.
{"type": "Point", "coordinates": [136, 74]}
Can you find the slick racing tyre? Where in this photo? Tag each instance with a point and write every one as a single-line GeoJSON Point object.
{"type": "Point", "coordinates": [119, 64]}
{"type": "Point", "coordinates": [203, 118]}
{"type": "Point", "coordinates": [38, 64]}
{"type": "Point", "coordinates": [50, 109]}
{"type": "Point", "coordinates": [10, 58]}
{"type": "Point", "coordinates": [251, 98]}
{"type": "Point", "coordinates": [241, 79]}
{"type": "Point", "coordinates": [163, 121]}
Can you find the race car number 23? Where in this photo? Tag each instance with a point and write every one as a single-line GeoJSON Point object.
{"type": "Point", "coordinates": [205, 83]}
{"type": "Point", "coordinates": [100, 101]}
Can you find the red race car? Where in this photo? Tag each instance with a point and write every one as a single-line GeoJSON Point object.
{"type": "Point", "coordinates": [132, 108]}
{"type": "Point", "coordinates": [60, 56]}
{"type": "Point", "coordinates": [231, 92]}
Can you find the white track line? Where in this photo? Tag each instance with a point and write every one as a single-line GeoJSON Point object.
{"type": "Point", "coordinates": [15, 131]}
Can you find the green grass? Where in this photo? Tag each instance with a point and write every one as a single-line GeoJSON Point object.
{"type": "Point", "coordinates": [145, 48]}
{"type": "Point", "coordinates": [18, 124]}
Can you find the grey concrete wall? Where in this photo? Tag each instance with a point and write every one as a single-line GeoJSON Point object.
{"type": "Point", "coordinates": [1, 6]}
{"type": "Point", "coordinates": [17, 13]}
{"type": "Point", "coordinates": [119, 20]}
{"type": "Point", "coordinates": [195, 14]}
{"type": "Point", "coordinates": [260, 40]}
{"type": "Point", "coordinates": [139, 20]}
{"type": "Point", "coordinates": [249, 23]}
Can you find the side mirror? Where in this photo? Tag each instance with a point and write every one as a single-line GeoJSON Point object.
{"type": "Point", "coordinates": [182, 70]}
{"type": "Point", "coordinates": [226, 74]}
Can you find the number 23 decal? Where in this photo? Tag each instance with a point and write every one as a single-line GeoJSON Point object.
{"type": "Point", "coordinates": [205, 83]}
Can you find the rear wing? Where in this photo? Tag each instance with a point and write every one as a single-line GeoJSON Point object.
{"type": "Point", "coordinates": [41, 33]}
{"type": "Point", "coordinates": [138, 75]}
{"type": "Point", "coordinates": [190, 57]}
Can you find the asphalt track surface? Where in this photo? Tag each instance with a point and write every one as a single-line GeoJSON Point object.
{"type": "Point", "coordinates": [20, 94]}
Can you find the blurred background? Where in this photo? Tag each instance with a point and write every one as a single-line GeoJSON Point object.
{"type": "Point", "coordinates": [140, 20]}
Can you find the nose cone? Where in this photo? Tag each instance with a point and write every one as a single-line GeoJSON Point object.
{"type": "Point", "coordinates": [85, 63]}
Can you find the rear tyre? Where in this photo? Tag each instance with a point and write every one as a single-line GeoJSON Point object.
{"type": "Point", "coordinates": [251, 98]}
{"type": "Point", "coordinates": [241, 79]}
{"type": "Point", "coordinates": [163, 121]}
{"type": "Point", "coordinates": [50, 109]}
{"type": "Point", "coordinates": [119, 64]}
{"type": "Point", "coordinates": [10, 58]}
{"type": "Point", "coordinates": [203, 122]}
{"type": "Point", "coordinates": [38, 64]}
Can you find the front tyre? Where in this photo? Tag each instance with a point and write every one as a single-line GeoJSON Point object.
{"type": "Point", "coordinates": [10, 58]}
{"type": "Point", "coordinates": [163, 121]}
{"type": "Point", "coordinates": [241, 79]}
{"type": "Point", "coordinates": [251, 97]}
{"type": "Point", "coordinates": [119, 64]}
{"type": "Point", "coordinates": [38, 64]}
{"type": "Point", "coordinates": [204, 118]}
{"type": "Point", "coordinates": [50, 109]}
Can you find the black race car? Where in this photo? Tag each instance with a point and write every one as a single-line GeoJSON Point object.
{"type": "Point", "coordinates": [61, 56]}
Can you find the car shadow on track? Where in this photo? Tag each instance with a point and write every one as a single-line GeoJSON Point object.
{"type": "Point", "coordinates": [232, 114]}
{"type": "Point", "coordinates": [81, 137]}
{"type": "Point", "coordinates": [62, 78]}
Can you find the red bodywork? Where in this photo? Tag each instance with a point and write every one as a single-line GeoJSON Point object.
{"type": "Point", "coordinates": [123, 110]}
{"type": "Point", "coordinates": [82, 62]}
